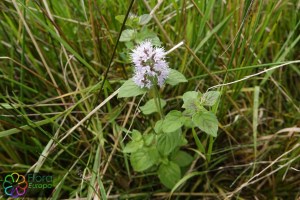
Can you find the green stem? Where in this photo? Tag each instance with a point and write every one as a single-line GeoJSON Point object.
{"type": "Point", "coordinates": [157, 101]}
{"type": "Point", "coordinates": [210, 147]}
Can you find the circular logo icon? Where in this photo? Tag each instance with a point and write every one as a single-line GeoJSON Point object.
{"type": "Point", "coordinates": [15, 185]}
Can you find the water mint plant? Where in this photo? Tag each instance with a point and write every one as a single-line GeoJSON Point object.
{"type": "Point", "coordinates": [159, 147]}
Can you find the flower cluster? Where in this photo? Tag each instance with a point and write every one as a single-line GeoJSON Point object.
{"type": "Point", "coordinates": [150, 65]}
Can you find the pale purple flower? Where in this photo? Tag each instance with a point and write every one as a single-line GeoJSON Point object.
{"type": "Point", "coordinates": [149, 63]}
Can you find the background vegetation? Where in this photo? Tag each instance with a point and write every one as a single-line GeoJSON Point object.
{"type": "Point", "coordinates": [61, 59]}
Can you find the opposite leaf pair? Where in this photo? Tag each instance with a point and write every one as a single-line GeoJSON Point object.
{"type": "Point", "coordinates": [195, 113]}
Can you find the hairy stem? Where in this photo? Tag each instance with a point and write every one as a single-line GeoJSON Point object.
{"type": "Point", "coordinates": [157, 101]}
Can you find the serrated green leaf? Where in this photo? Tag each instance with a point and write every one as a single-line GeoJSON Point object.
{"type": "Point", "coordinates": [144, 158]}
{"type": "Point", "coordinates": [158, 126]}
{"type": "Point", "coordinates": [127, 35]}
{"type": "Point", "coordinates": [129, 45]}
{"type": "Point", "coordinates": [175, 77]}
{"type": "Point", "coordinates": [133, 146]}
{"type": "Point", "coordinates": [134, 21]}
{"type": "Point", "coordinates": [144, 19]}
{"type": "Point", "coordinates": [131, 21]}
{"type": "Point", "coordinates": [130, 89]}
{"type": "Point", "coordinates": [136, 135]}
{"type": "Point", "coordinates": [210, 98]}
{"type": "Point", "coordinates": [172, 121]}
{"type": "Point", "coordinates": [153, 154]}
{"type": "Point", "coordinates": [187, 121]}
{"type": "Point", "coordinates": [183, 141]}
{"type": "Point", "coordinates": [150, 106]}
{"type": "Point", "coordinates": [169, 174]}
{"type": "Point", "coordinates": [189, 100]}
{"type": "Point", "coordinates": [167, 142]}
{"type": "Point", "coordinates": [182, 158]}
{"type": "Point", "coordinates": [120, 18]}
{"type": "Point", "coordinates": [207, 122]}
{"type": "Point", "coordinates": [148, 139]}
{"type": "Point", "coordinates": [146, 34]}
{"type": "Point", "coordinates": [155, 41]}
{"type": "Point", "coordinates": [190, 95]}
